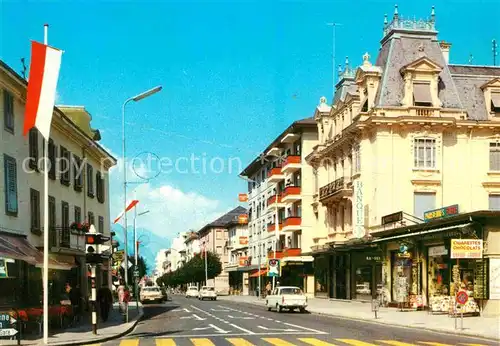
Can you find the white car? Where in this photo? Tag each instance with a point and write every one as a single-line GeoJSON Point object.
{"type": "Point", "coordinates": [192, 292]}
{"type": "Point", "coordinates": [151, 294]}
{"type": "Point", "coordinates": [207, 292]}
{"type": "Point", "coordinates": [286, 297]}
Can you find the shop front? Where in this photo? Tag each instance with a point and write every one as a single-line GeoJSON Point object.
{"type": "Point", "coordinates": [366, 274]}
{"type": "Point", "coordinates": [321, 275]}
{"type": "Point", "coordinates": [296, 271]}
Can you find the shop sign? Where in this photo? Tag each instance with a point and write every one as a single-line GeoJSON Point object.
{"type": "Point", "coordinates": [242, 261]}
{"type": "Point", "coordinates": [273, 267]}
{"type": "Point", "coordinates": [243, 197]}
{"type": "Point", "coordinates": [435, 251]}
{"type": "Point", "coordinates": [118, 256]}
{"type": "Point", "coordinates": [494, 276]}
{"type": "Point", "coordinates": [391, 218]}
{"type": "Point", "coordinates": [441, 213]}
{"type": "Point", "coordinates": [359, 227]}
{"type": "Point", "coordinates": [243, 219]}
{"type": "Point", "coordinates": [374, 258]}
{"type": "Point", "coordinates": [289, 263]}
{"type": "Point", "coordinates": [466, 248]}
{"type": "Point", "coordinates": [243, 240]}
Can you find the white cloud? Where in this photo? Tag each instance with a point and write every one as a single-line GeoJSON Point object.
{"type": "Point", "coordinates": [171, 210]}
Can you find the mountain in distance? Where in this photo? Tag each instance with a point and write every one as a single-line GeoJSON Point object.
{"type": "Point", "coordinates": [150, 244]}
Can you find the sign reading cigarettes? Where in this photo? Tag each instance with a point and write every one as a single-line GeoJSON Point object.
{"type": "Point", "coordinates": [466, 248]}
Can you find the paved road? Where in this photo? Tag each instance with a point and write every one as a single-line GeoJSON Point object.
{"type": "Point", "coordinates": [207, 323]}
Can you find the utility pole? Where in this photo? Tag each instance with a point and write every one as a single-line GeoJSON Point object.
{"type": "Point", "coordinates": [334, 34]}
{"type": "Point", "coordinates": [494, 50]}
{"type": "Point", "coordinates": [206, 264]}
{"type": "Point", "coordinates": [260, 264]}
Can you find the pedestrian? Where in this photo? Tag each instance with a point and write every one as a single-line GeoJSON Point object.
{"type": "Point", "coordinates": [268, 288]}
{"type": "Point", "coordinates": [75, 297]}
{"type": "Point", "coordinates": [121, 294]}
{"type": "Point", "coordinates": [105, 299]}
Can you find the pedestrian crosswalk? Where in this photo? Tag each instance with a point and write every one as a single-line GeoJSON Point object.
{"type": "Point", "coordinates": [272, 341]}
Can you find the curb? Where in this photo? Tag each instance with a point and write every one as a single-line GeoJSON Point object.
{"type": "Point", "coordinates": [103, 339]}
{"type": "Point", "coordinates": [434, 330]}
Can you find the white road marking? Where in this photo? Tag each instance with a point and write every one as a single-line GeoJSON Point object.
{"type": "Point", "coordinates": [304, 328]}
{"type": "Point", "coordinates": [195, 316]}
{"type": "Point", "coordinates": [223, 310]}
{"type": "Point", "coordinates": [242, 329]}
{"type": "Point", "coordinates": [240, 318]}
{"type": "Point", "coordinates": [231, 324]}
{"type": "Point", "coordinates": [238, 334]}
{"type": "Point", "coordinates": [278, 329]}
{"type": "Point", "coordinates": [179, 310]}
{"type": "Point", "coordinates": [212, 326]}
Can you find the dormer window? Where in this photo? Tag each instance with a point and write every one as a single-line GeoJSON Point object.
{"type": "Point", "coordinates": [422, 94]}
{"type": "Point", "coordinates": [364, 109]}
{"type": "Point", "coordinates": [495, 102]}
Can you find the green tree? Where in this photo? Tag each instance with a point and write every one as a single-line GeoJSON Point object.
{"type": "Point", "coordinates": [194, 271]}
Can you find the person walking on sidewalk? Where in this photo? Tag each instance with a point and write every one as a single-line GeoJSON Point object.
{"type": "Point", "coordinates": [121, 295]}
{"type": "Point", "coordinates": [105, 299]}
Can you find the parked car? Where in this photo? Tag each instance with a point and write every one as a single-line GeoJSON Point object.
{"type": "Point", "coordinates": [286, 297]}
{"type": "Point", "coordinates": [207, 292]}
{"type": "Point", "coordinates": [192, 292]}
{"type": "Point", "coordinates": [151, 294]}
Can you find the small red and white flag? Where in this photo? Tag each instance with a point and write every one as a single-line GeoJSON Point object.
{"type": "Point", "coordinates": [130, 206]}
{"type": "Point", "coordinates": [42, 84]}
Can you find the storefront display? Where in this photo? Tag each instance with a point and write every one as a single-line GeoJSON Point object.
{"type": "Point", "coordinates": [364, 283]}
{"type": "Point", "coordinates": [402, 274]}
{"type": "Point", "coordinates": [321, 275]}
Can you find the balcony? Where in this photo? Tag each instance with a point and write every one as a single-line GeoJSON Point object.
{"type": "Point", "coordinates": [291, 194]}
{"type": "Point", "coordinates": [67, 241]}
{"type": "Point", "coordinates": [335, 190]}
{"type": "Point", "coordinates": [275, 175]}
{"type": "Point", "coordinates": [272, 254]}
{"type": "Point", "coordinates": [292, 252]}
{"type": "Point", "coordinates": [292, 223]}
{"type": "Point", "coordinates": [275, 202]}
{"type": "Point", "coordinates": [292, 163]}
{"type": "Point", "coordinates": [418, 111]}
{"type": "Point", "coordinates": [271, 227]}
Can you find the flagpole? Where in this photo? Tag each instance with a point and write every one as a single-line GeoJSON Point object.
{"type": "Point", "coordinates": [46, 226]}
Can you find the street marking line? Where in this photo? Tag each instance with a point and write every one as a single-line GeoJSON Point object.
{"type": "Point", "coordinates": [278, 342]}
{"type": "Point", "coordinates": [395, 343]}
{"type": "Point", "coordinates": [432, 343]}
{"type": "Point", "coordinates": [315, 342]}
{"type": "Point", "coordinates": [129, 342]}
{"type": "Point", "coordinates": [354, 342]}
{"type": "Point", "coordinates": [165, 342]}
{"type": "Point", "coordinates": [474, 344]}
{"type": "Point", "coordinates": [304, 328]}
{"type": "Point", "coordinates": [202, 342]}
{"type": "Point", "coordinates": [242, 329]}
{"type": "Point", "coordinates": [239, 342]}
{"type": "Point", "coordinates": [278, 329]}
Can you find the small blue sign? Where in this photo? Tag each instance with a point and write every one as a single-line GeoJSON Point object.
{"type": "Point", "coordinates": [4, 321]}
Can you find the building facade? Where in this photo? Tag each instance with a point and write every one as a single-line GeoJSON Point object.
{"type": "Point", "coordinates": [281, 221]}
{"type": "Point", "coordinates": [238, 258]}
{"type": "Point", "coordinates": [408, 134]}
{"type": "Point", "coordinates": [78, 187]}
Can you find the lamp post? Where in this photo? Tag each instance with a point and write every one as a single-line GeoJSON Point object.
{"type": "Point", "coordinates": [136, 257]}
{"type": "Point", "coordinates": [136, 98]}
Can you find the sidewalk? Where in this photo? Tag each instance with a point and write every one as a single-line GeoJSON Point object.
{"type": "Point", "coordinates": [487, 327]}
{"type": "Point", "coordinates": [113, 328]}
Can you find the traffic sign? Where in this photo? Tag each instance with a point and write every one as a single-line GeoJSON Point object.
{"type": "Point", "coordinates": [129, 264]}
{"type": "Point", "coordinates": [136, 273]}
{"type": "Point", "coordinates": [462, 297]}
{"type": "Point", "coordinates": [6, 320]}
{"type": "Point", "coordinates": [8, 332]}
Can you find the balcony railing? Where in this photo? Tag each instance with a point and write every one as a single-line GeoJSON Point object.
{"type": "Point", "coordinates": [292, 221]}
{"type": "Point", "coordinates": [291, 191]}
{"type": "Point", "coordinates": [292, 159]}
{"type": "Point", "coordinates": [332, 188]}
{"type": "Point", "coordinates": [291, 252]}
{"type": "Point", "coordinates": [272, 254]}
{"type": "Point", "coordinates": [271, 227]}
{"type": "Point", "coordinates": [66, 238]}
{"type": "Point", "coordinates": [420, 111]}
{"type": "Point", "coordinates": [274, 171]}
{"type": "Point", "coordinates": [274, 199]}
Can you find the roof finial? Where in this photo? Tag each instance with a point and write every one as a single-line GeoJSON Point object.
{"type": "Point", "coordinates": [322, 100]}
{"type": "Point", "coordinates": [471, 57]}
{"type": "Point", "coordinates": [433, 14]}
{"type": "Point", "coordinates": [396, 14]}
{"type": "Point", "coordinates": [346, 64]}
{"type": "Point", "coordinates": [340, 69]}
{"type": "Point", "coordinates": [386, 21]}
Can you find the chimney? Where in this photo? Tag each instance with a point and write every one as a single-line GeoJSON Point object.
{"type": "Point", "coordinates": [445, 49]}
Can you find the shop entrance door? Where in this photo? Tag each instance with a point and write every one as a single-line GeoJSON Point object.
{"type": "Point", "coordinates": [341, 289]}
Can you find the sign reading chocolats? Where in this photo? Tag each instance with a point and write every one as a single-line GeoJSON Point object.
{"type": "Point", "coordinates": [441, 213]}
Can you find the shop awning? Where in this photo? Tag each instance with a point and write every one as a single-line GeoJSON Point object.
{"type": "Point", "coordinates": [18, 248]}
{"type": "Point", "coordinates": [422, 232]}
{"type": "Point", "coordinates": [57, 263]}
{"type": "Point", "coordinates": [297, 259]}
{"type": "Point", "coordinates": [256, 274]}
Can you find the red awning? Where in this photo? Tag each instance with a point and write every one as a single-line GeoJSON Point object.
{"type": "Point", "coordinates": [256, 273]}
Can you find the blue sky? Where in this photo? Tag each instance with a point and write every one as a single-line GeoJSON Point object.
{"type": "Point", "coordinates": [234, 75]}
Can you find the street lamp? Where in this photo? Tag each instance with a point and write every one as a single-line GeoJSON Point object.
{"type": "Point", "coordinates": [136, 257]}
{"type": "Point", "coordinates": [136, 98]}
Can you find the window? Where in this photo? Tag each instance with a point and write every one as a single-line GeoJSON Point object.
{"type": "Point", "coordinates": [495, 102]}
{"type": "Point", "coordinates": [65, 166]}
{"type": "Point", "coordinates": [422, 202]}
{"type": "Point", "coordinates": [100, 227]}
{"type": "Point", "coordinates": [78, 214]}
{"type": "Point", "coordinates": [10, 169]}
{"type": "Point", "coordinates": [495, 156]}
{"type": "Point", "coordinates": [99, 182]}
{"type": "Point", "coordinates": [425, 153]}
{"type": "Point", "coordinates": [35, 210]}
{"type": "Point", "coordinates": [422, 94]}
{"type": "Point", "coordinates": [77, 173]}
{"type": "Point", "coordinates": [219, 235]}
{"type": "Point", "coordinates": [52, 222]}
{"type": "Point", "coordinates": [357, 160]}
{"type": "Point", "coordinates": [91, 218]}
{"type": "Point", "coordinates": [65, 214]}
{"type": "Point", "coordinates": [494, 202]}
{"type": "Point", "coordinates": [90, 181]}
{"type": "Point", "coordinates": [219, 250]}
{"type": "Point", "coordinates": [52, 159]}
{"type": "Point", "coordinates": [8, 111]}
{"type": "Point", "coordinates": [33, 149]}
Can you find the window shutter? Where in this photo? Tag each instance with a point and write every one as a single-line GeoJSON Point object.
{"type": "Point", "coordinates": [10, 170]}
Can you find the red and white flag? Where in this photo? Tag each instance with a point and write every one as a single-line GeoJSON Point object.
{"type": "Point", "coordinates": [42, 83]}
{"type": "Point", "coordinates": [130, 206]}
